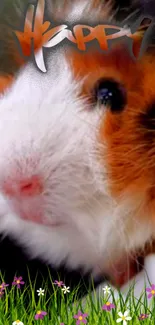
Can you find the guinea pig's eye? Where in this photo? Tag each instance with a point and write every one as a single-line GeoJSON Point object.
{"type": "Point", "coordinates": [112, 94]}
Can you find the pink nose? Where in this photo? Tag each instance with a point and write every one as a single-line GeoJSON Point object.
{"type": "Point", "coordinates": [25, 187]}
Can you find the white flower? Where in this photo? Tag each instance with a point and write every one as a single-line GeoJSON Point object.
{"type": "Point", "coordinates": [40, 292]}
{"type": "Point", "coordinates": [106, 289]}
{"type": "Point", "coordinates": [124, 317]}
{"type": "Point", "coordinates": [65, 289]}
{"type": "Point", "coordinates": [17, 322]}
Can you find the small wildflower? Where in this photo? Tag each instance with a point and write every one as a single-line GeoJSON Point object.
{"type": "Point", "coordinates": [40, 314]}
{"type": "Point", "coordinates": [124, 317]}
{"type": "Point", "coordinates": [59, 283]}
{"type": "Point", "coordinates": [151, 291]}
{"type": "Point", "coordinates": [143, 316]}
{"type": "Point", "coordinates": [62, 324]}
{"type": "Point", "coordinates": [108, 306]}
{"type": "Point", "coordinates": [65, 289]}
{"type": "Point", "coordinates": [18, 281]}
{"type": "Point", "coordinates": [106, 289]}
{"type": "Point", "coordinates": [17, 322]}
{"type": "Point", "coordinates": [40, 292]}
{"type": "Point", "coordinates": [3, 286]}
{"type": "Point", "coordinates": [80, 318]}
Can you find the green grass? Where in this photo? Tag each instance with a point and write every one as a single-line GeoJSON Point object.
{"type": "Point", "coordinates": [24, 303]}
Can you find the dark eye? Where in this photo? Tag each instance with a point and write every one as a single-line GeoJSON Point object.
{"type": "Point", "coordinates": [112, 94]}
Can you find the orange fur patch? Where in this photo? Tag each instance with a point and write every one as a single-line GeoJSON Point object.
{"type": "Point", "coordinates": [5, 82]}
{"type": "Point", "coordinates": [93, 65]}
{"type": "Point", "coordinates": [129, 136]}
{"type": "Point", "coordinates": [130, 141]}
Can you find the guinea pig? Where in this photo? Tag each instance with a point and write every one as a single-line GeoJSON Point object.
{"type": "Point", "coordinates": [77, 151]}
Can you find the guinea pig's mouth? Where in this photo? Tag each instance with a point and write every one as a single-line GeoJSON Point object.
{"type": "Point", "coordinates": [57, 224]}
{"type": "Point", "coordinates": [36, 215]}
{"type": "Point", "coordinates": [53, 224]}
{"type": "Point", "coordinates": [40, 220]}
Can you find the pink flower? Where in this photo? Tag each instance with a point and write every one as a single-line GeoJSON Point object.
{"type": "Point", "coordinates": [151, 290]}
{"type": "Point", "coordinates": [40, 314]}
{"type": "Point", "coordinates": [59, 283]}
{"type": "Point", "coordinates": [18, 281]}
{"type": "Point", "coordinates": [143, 316]}
{"type": "Point", "coordinates": [108, 306]}
{"type": "Point", "coordinates": [3, 286]}
{"type": "Point", "coordinates": [80, 318]}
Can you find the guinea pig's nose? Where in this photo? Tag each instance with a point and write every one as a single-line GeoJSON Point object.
{"type": "Point", "coordinates": [24, 187]}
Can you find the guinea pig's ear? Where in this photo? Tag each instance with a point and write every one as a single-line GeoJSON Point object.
{"type": "Point", "coordinates": [138, 36]}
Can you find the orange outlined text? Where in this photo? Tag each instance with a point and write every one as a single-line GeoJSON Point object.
{"type": "Point", "coordinates": [45, 36]}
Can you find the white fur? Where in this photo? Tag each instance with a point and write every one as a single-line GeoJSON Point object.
{"type": "Point", "coordinates": [137, 284]}
{"type": "Point", "coordinates": [43, 119]}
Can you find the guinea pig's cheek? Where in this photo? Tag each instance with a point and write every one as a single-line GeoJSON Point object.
{"type": "Point", "coordinates": [110, 124]}
{"type": "Point", "coordinates": [32, 210]}
{"type": "Point", "coordinates": [124, 155]}
{"type": "Point", "coordinates": [115, 155]}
